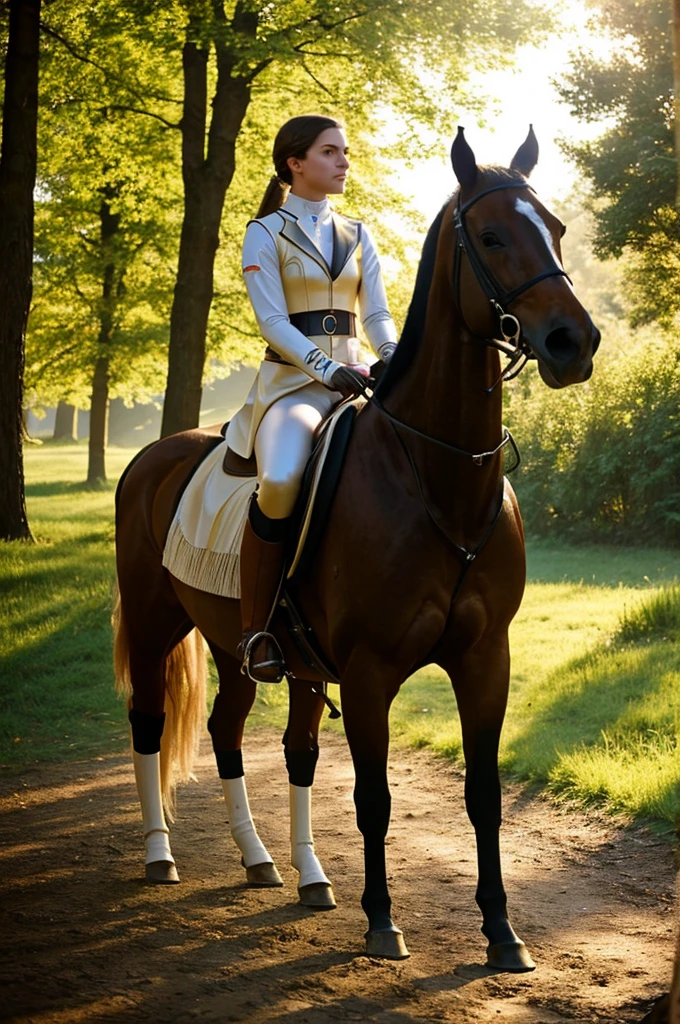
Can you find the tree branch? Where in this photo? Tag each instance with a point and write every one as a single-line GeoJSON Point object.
{"type": "Point", "coordinates": [147, 113]}
{"type": "Point", "coordinates": [246, 334]}
{"type": "Point", "coordinates": [317, 81]}
{"type": "Point", "coordinates": [84, 59]}
{"type": "Point", "coordinates": [257, 70]}
{"type": "Point", "coordinates": [318, 53]}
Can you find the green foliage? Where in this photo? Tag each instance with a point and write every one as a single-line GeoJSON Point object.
{"type": "Point", "coordinates": [604, 730]}
{"type": "Point", "coordinates": [56, 693]}
{"type": "Point", "coordinates": [601, 461]}
{"type": "Point", "coordinates": [656, 616]}
{"type": "Point", "coordinates": [111, 98]}
{"type": "Point", "coordinates": [97, 160]}
{"type": "Point", "coordinates": [597, 282]}
{"type": "Point", "coordinates": [631, 166]}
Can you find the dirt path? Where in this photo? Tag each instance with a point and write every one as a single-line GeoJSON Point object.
{"type": "Point", "coordinates": [82, 939]}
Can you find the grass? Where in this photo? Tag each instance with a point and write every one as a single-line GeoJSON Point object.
{"type": "Point", "coordinates": [56, 695]}
{"type": "Point", "coordinates": [594, 704]}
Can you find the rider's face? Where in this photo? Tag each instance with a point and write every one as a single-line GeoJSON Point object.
{"type": "Point", "coordinates": [323, 170]}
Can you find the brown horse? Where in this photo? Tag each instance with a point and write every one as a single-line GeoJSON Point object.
{"type": "Point", "coordinates": [422, 560]}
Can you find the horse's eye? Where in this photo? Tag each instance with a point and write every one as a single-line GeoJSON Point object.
{"type": "Point", "coordinates": [491, 241]}
{"type": "Point", "coordinates": [563, 230]}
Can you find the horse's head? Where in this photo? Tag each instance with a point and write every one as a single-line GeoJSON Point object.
{"type": "Point", "coordinates": [510, 281]}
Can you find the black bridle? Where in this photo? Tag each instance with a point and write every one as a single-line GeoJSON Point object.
{"type": "Point", "coordinates": [511, 343]}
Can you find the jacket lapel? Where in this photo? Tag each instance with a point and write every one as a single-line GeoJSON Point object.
{"type": "Point", "coordinates": [346, 237]}
{"type": "Point", "coordinates": [292, 231]}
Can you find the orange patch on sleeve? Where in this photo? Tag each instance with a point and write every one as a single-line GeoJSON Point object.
{"type": "Point", "coordinates": [252, 266]}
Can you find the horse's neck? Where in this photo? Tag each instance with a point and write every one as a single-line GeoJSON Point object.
{"type": "Point", "coordinates": [445, 395]}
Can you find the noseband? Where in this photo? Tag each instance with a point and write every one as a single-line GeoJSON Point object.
{"type": "Point", "coordinates": [511, 343]}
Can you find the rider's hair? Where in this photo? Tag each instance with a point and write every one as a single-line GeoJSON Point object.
{"type": "Point", "coordinates": [293, 139]}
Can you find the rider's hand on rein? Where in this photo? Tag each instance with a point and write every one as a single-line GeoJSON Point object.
{"type": "Point", "coordinates": [348, 382]}
{"type": "Point", "coordinates": [376, 371]}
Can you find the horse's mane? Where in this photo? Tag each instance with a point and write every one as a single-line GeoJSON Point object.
{"type": "Point", "coordinates": [415, 318]}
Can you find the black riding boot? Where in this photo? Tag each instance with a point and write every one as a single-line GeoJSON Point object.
{"type": "Point", "coordinates": [262, 559]}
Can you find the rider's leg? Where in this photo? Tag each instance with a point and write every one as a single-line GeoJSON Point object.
{"type": "Point", "coordinates": [282, 446]}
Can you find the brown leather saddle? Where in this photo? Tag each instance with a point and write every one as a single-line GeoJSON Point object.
{"type": "Point", "coordinates": [236, 465]}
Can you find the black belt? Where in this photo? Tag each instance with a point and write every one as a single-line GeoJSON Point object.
{"type": "Point", "coordinates": [315, 322]}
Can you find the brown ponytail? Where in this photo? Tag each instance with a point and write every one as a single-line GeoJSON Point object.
{"type": "Point", "coordinates": [293, 139]}
{"type": "Point", "coordinates": [274, 196]}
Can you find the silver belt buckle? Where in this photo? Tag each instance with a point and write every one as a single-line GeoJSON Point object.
{"type": "Point", "coordinates": [329, 316]}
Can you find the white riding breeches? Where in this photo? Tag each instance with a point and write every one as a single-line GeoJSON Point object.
{"type": "Point", "coordinates": [283, 444]}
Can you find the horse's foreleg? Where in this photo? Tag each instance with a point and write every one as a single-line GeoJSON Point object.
{"type": "Point", "coordinates": [481, 685]}
{"type": "Point", "coordinates": [232, 705]}
{"type": "Point", "coordinates": [301, 750]}
{"type": "Point", "coordinates": [365, 708]}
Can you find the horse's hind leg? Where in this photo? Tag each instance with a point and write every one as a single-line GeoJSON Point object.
{"type": "Point", "coordinates": [480, 682]}
{"type": "Point", "coordinates": [301, 748]}
{"type": "Point", "coordinates": [147, 656]}
{"type": "Point", "coordinates": [232, 705]}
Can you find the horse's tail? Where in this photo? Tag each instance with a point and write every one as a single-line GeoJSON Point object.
{"type": "Point", "coordinates": [185, 686]}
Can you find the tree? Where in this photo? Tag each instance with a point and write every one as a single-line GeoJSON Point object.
{"type": "Point", "coordinates": [65, 422]}
{"type": "Point", "coordinates": [106, 227]}
{"type": "Point", "coordinates": [17, 179]}
{"type": "Point", "coordinates": [632, 166]}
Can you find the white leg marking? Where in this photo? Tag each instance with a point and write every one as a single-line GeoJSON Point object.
{"type": "Point", "coordinates": [302, 855]}
{"type": "Point", "coordinates": [241, 823]}
{"type": "Point", "coordinates": [525, 207]}
{"type": "Point", "coordinates": [156, 832]}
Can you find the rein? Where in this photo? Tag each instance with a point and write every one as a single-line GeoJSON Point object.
{"type": "Point", "coordinates": [479, 458]}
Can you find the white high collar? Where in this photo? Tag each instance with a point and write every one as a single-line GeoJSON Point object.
{"type": "Point", "coordinates": [306, 208]}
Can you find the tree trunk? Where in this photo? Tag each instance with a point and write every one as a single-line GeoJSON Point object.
{"type": "Point", "coordinates": [99, 422]}
{"type": "Point", "coordinates": [17, 180]}
{"type": "Point", "coordinates": [676, 92]}
{"type": "Point", "coordinates": [207, 177]}
{"type": "Point", "coordinates": [65, 423]}
{"type": "Point", "coordinates": [111, 287]}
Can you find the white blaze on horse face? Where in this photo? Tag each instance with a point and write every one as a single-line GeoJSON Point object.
{"type": "Point", "coordinates": [525, 207]}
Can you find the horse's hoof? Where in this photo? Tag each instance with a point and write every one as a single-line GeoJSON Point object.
{"type": "Point", "coordinates": [162, 872]}
{"type": "Point", "coordinates": [509, 956]}
{"type": "Point", "coordinates": [387, 943]}
{"type": "Point", "coordinates": [318, 895]}
{"type": "Point", "coordinates": [263, 876]}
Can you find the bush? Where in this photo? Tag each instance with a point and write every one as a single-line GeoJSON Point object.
{"type": "Point", "coordinates": [601, 461]}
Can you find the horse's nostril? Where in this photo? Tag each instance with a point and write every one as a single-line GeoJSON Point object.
{"type": "Point", "coordinates": [561, 345]}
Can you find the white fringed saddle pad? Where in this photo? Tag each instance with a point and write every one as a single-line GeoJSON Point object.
{"type": "Point", "coordinates": [204, 540]}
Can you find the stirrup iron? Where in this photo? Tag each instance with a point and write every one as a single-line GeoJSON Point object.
{"type": "Point", "coordinates": [248, 650]}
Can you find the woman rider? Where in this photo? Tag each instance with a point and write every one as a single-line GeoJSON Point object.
{"type": "Point", "coordinates": [305, 268]}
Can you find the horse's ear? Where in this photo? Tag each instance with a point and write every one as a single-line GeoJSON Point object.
{"type": "Point", "coordinates": [526, 157]}
{"type": "Point", "coordinates": [463, 160]}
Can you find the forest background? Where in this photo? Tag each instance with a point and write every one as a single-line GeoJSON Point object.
{"type": "Point", "coordinates": [154, 135]}
{"type": "Point", "coordinates": [154, 128]}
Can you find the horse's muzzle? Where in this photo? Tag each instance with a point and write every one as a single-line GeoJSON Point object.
{"type": "Point", "coordinates": [565, 354]}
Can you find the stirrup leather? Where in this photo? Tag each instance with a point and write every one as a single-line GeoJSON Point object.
{"type": "Point", "coordinates": [248, 650]}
